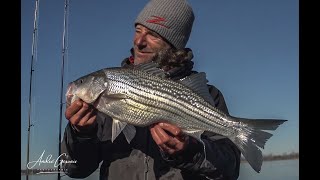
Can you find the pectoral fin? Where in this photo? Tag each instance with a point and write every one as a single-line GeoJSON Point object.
{"type": "Point", "coordinates": [117, 127]}
{"type": "Point", "coordinates": [129, 132]}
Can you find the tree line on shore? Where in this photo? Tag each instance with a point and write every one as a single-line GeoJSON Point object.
{"type": "Point", "coordinates": [284, 156]}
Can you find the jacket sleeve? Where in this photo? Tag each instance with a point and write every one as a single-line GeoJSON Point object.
{"type": "Point", "coordinates": [222, 156]}
{"type": "Point", "coordinates": [81, 151]}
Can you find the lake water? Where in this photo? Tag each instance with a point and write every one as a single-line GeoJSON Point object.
{"type": "Point", "coordinates": [275, 170]}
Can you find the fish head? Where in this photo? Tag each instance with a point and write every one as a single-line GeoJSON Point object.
{"type": "Point", "coordinates": [88, 87]}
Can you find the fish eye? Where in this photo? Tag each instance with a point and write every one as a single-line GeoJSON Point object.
{"type": "Point", "coordinates": [81, 81]}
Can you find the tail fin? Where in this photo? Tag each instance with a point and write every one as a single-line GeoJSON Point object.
{"type": "Point", "coordinates": [252, 137]}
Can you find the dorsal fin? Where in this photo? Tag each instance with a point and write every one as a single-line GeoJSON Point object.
{"type": "Point", "coordinates": [198, 83]}
{"type": "Point", "coordinates": [151, 68]}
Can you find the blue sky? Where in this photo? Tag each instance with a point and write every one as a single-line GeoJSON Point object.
{"type": "Point", "coordinates": [249, 50]}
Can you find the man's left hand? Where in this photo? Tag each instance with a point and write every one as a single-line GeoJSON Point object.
{"type": "Point", "coordinates": [169, 138]}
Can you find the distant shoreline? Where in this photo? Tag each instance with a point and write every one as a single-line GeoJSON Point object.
{"type": "Point", "coordinates": [271, 157]}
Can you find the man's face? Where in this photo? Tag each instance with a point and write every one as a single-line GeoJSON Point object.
{"type": "Point", "coordinates": [146, 44]}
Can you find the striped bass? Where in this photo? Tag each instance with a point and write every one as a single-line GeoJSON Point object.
{"type": "Point", "coordinates": [142, 96]}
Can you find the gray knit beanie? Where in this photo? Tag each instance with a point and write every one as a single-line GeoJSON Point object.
{"type": "Point", "coordinates": [171, 19]}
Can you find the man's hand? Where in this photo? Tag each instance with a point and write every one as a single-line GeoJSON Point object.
{"type": "Point", "coordinates": [169, 137]}
{"type": "Point", "coordinates": [81, 116]}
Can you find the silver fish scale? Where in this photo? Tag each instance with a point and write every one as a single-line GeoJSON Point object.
{"type": "Point", "coordinates": [151, 99]}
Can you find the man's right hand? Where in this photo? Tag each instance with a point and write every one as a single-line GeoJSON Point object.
{"type": "Point", "coordinates": [82, 116]}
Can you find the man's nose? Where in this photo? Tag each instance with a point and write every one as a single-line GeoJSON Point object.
{"type": "Point", "coordinates": [140, 40]}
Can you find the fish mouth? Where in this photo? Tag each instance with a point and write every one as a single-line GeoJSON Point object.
{"type": "Point", "coordinates": [70, 93]}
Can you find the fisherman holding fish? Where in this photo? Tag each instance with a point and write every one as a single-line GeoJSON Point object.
{"type": "Point", "coordinates": [161, 150]}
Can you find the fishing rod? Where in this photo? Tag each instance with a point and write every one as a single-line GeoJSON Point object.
{"type": "Point", "coordinates": [34, 47]}
{"type": "Point", "coordinates": [66, 10]}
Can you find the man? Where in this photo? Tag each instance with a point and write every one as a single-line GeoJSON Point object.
{"type": "Point", "coordinates": [161, 151]}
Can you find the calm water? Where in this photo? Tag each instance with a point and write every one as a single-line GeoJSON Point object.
{"type": "Point", "coordinates": [275, 170]}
